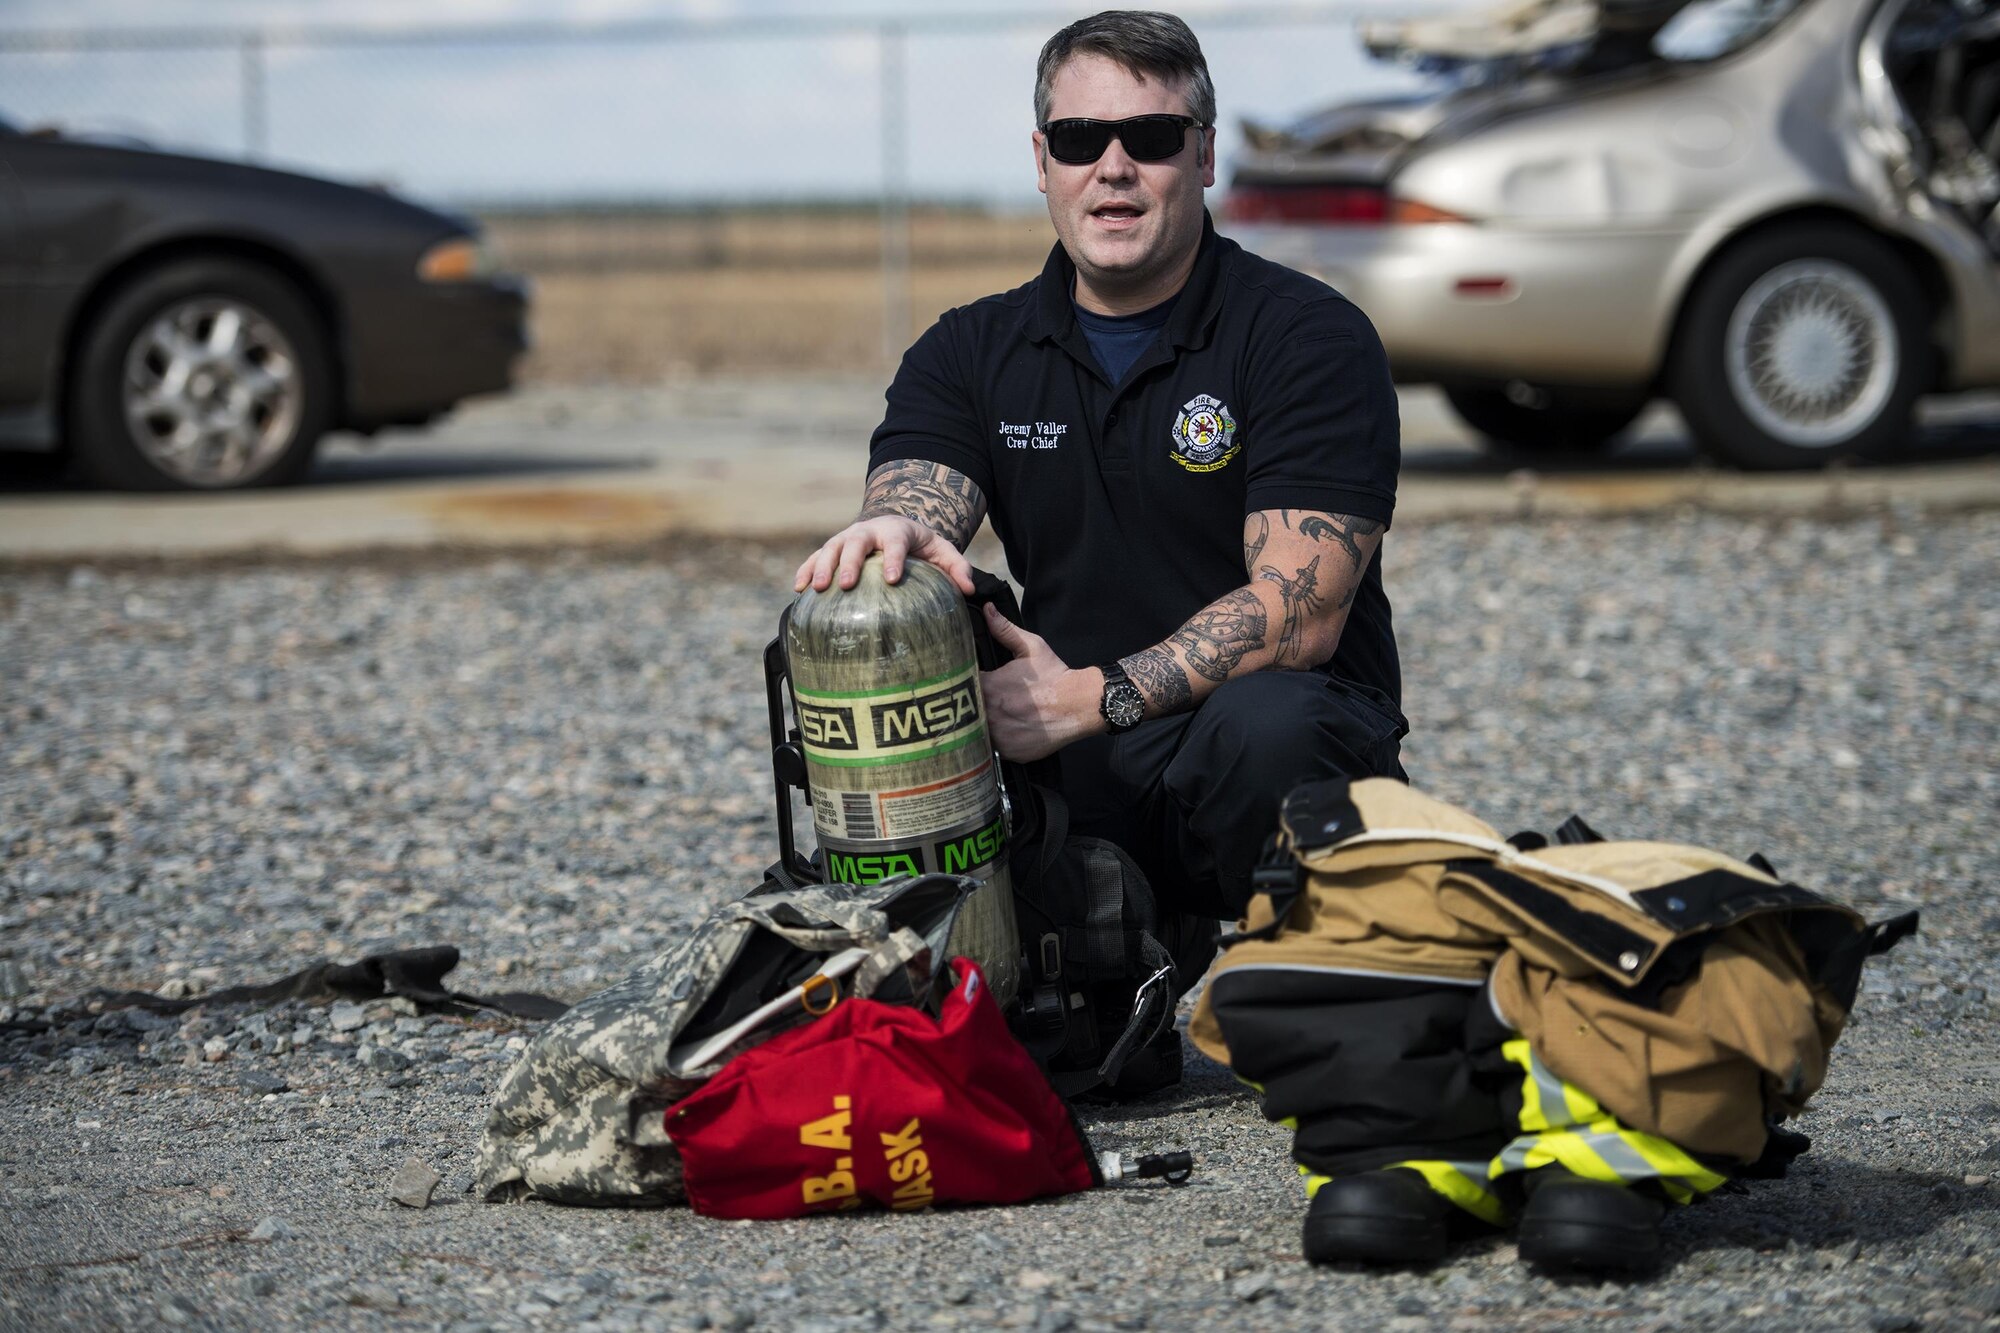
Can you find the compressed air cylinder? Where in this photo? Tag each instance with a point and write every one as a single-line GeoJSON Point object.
{"type": "Point", "coordinates": [885, 686]}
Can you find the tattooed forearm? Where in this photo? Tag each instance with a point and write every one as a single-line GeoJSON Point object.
{"type": "Point", "coordinates": [1221, 634]}
{"type": "Point", "coordinates": [1343, 528]}
{"type": "Point", "coordinates": [1302, 598]}
{"type": "Point", "coordinates": [1160, 678]}
{"type": "Point", "coordinates": [1256, 531]}
{"type": "Point", "coordinates": [941, 498]}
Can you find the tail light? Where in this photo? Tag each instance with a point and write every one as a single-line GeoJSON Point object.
{"type": "Point", "coordinates": [1335, 205]}
{"type": "Point", "coordinates": [1330, 206]}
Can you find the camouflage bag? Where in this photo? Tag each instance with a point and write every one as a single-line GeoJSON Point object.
{"type": "Point", "coordinates": [580, 1118]}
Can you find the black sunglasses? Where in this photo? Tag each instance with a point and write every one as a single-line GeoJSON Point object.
{"type": "Point", "coordinates": [1146, 138]}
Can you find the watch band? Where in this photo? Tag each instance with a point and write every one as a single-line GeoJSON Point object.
{"type": "Point", "coordinates": [1122, 706]}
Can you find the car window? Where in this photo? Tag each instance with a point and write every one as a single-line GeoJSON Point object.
{"type": "Point", "coordinates": [1711, 29]}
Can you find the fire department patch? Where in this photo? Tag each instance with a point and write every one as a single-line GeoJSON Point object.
{"type": "Point", "coordinates": [1204, 435]}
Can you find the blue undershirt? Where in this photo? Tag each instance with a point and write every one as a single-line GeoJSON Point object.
{"type": "Point", "coordinates": [1118, 340]}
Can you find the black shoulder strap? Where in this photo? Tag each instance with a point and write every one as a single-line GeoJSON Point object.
{"type": "Point", "coordinates": [1055, 822]}
{"type": "Point", "coordinates": [1573, 832]}
{"type": "Point", "coordinates": [1279, 875]}
{"type": "Point", "coordinates": [1886, 935]}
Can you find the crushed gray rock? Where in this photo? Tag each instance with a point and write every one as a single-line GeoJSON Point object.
{"type": "Point", "coordinates": [272, 1228]}
{"type": "Point", "coordinates": [413, 1185]}
{"type": "Point", "coordinates": [556, 763]}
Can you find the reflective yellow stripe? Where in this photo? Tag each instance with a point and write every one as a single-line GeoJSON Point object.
{"type": "Point", "coordinates": [1450, 1180]}
{"type": "Point", "coordinates": [1532, 1117]}
{"type": "Point", "coordinates": [1565, 1126]}
{"type": "Point", "coordinates": [1669, 1159]}
{"type": "Point", "coordinates": [1582, 1107]}
{"type": "Point", "coordinates": [1556, 1148]}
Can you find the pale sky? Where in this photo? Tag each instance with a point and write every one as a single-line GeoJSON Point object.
{"type": "Point", "coordinates": [730, 116]}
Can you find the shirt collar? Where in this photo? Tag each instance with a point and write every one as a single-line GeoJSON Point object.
{"type": "Point", "coordinates": [1049, 315]}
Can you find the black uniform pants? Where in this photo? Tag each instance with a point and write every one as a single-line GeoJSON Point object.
{"type": "Point", "coordinates": [1191, 798]}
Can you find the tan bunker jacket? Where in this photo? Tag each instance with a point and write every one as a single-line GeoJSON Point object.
{"type": "Point", "coordinates": [1693, 995]}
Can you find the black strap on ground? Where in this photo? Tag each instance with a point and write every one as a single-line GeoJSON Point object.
{"type": "Point", "coordinates": [416, 975]}
{"type": "Point", "coordinates": [1573, 832]}
{"type": "Point", "coordinates": [1782, 1147]}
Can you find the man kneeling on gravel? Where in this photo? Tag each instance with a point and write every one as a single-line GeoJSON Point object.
{"type": "Point", "coordinates": [1189, 455]}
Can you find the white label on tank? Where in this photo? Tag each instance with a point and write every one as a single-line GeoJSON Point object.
{"type": "Point", "coordinates": [936, 805]}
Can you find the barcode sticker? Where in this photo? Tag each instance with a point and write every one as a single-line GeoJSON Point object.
{"type": "Point", "coordinates": [857, 811]}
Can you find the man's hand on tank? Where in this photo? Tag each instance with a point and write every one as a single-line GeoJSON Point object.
{"type": "Point", "coordinates": [1036, 704]}
{"type": "Point", "coordinates": [897, 538]}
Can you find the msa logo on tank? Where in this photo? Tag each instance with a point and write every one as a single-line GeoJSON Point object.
{"type": "Point", "coordinates": [1204, 435]}
{"type": "Point", "coordinates": [882, 728]}
{"type": "Point", "coordinates": [959, 854]}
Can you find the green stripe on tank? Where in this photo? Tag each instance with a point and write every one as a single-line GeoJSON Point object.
{"type": "Point", "coordinates": [900, 757]}
{"type": "Point", "coordinates": [914, 685]}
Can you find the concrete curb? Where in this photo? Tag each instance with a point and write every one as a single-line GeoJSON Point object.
{"type": "Point", "coordinates": [1949, 487]}
{"type": "Point", "coordinates": [805, 490]}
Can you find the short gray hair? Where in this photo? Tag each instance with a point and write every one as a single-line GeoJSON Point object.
{"type": "Point", "coordinates": [1146, 42]}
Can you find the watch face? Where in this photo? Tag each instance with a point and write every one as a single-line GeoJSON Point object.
{"type": "Point", "coordinates": [1124, 706]}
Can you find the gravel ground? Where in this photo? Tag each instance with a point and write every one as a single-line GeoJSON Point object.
{"type": "Point", "coordinates": [219, 774]}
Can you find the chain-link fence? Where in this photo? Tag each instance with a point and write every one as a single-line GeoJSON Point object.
{"type": "Point", "coordinates": [689, 196]}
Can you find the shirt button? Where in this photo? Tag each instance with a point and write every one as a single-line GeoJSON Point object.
{"type": "Point", "coordinates": [1111, 420]}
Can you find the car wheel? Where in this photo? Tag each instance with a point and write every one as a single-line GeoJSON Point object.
{"type": "Point", "coordinates": [1801, 347]}
{"type": "Point", "coordinates": [1526, 423]}
{"type": "Point", "coordinates": [207, 374]}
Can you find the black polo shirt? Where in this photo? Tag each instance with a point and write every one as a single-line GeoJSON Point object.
{"type": "Point", "coordinates": [1121, 507]}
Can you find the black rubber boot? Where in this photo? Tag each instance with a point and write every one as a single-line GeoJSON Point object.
{"type": "Point", "coordinates": [1579, 1225]}
{"type": "Point", "coordinates": [1378, 1217]}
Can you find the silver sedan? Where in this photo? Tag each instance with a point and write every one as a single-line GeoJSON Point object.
{"type": "Point", "coordinates": [1782, 214]}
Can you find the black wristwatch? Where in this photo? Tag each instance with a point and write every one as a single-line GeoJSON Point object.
{"type": "Point", "coordinates": [1122, 706]}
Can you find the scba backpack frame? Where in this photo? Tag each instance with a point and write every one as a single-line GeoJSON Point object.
{"type": "Point", "coordinates": [1099, 979]}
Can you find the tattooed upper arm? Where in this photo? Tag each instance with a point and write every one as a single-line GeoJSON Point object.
{"type": "Point", "coordinates": [1256, 532]}
{"type": "Point", "coordinates": [1346, 530]}
{"type": "Point", "coordinates": [943, 499]}
{"type": "Point", "coordinates": [1316, 561]}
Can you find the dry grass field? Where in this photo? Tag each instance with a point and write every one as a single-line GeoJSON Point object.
{"type": "Point", "coordinates": [635, 297]}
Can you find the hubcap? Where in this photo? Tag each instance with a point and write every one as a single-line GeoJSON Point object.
{"type": "Point", "coordinates": [212, 391]}
{"type": "Point", "coordinates": [1811, 353]}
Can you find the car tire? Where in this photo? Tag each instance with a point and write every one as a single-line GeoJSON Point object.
{"type": "Point", "coordinates": [1800, 347]}
{"type": "Point", "coordinates": [201, 374]}
{"type": "Point", "coordinates": [1543, 425]}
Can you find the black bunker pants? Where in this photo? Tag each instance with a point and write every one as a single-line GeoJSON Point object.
{"type": "Point", "coordinates": [1192, 798]}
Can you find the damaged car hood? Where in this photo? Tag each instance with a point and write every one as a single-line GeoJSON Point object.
{"type": "Point", "coordinates": [1497, 62]}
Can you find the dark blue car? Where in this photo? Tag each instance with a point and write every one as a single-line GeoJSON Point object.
{"type": "Point", "coordinates": [180, 323]}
